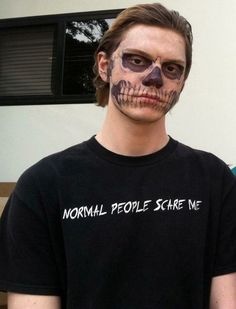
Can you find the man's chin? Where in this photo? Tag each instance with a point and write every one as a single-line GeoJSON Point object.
{"type": "Point", "coordinates": [142, 113]}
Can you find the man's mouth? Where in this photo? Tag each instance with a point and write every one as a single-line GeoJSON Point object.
{"type": "Point", "coordinates": [125, 93]}
{"type": "Point", "coordinates": [142, 98]}
{"type": "Point", "coordinates": [151, 98]}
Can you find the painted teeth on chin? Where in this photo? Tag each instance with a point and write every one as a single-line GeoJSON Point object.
{"type": "Point", "coordinates": [125, 98]}
{"type": "Point", "coordinates": [123, 84]}
{"type": "Point", "coordinates": [131, 91]}
{"type": "Point", "coordinates": [144, 92]}
{"type": "Point", "coordinates": [126, 90]}
{"type": "Point", "coordinates": [139, 100]}
{"type": "Point", "coordinates": [130, 96]}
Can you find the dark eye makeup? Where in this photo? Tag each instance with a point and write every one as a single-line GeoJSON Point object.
{"type": "Point", "coordinates": [135, 63]}
{"type": "Point", "coordinates": [139, 63]}
{"type": "Point", "coordinates": [172, 70]}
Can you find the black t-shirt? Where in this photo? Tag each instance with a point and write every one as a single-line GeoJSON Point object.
{"type": "Point", "coordinates": [104, 230]}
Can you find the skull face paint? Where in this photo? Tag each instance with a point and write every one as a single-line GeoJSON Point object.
{"type": "Point", "coordinates": [153, 78]}
{"type": "Point", "coordinates": [146, 71]}
{"type": "Point", "coordinates": [126, 94]}
{"type": "Point", "coordinates": [151, 91]}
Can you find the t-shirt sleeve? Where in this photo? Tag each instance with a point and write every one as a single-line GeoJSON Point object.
{"type": "Point", "coordinates": [225, 261]}
{"type": "Point", "coordinates": [27, 259]}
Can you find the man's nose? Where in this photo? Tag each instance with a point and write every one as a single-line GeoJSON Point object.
{"type": "Point", "coordinates": [154, 78]}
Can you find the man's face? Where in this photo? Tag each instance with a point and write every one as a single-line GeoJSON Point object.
{"type": "Point", "coordinates": [146, 72]}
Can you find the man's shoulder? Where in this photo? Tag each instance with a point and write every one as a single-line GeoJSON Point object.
{"type": "Point", "coordinates": [203, 160]}
{"type": "Point", "coordinates": [56, 165]}
{"type": "Point", "coordinates": [189, 151]}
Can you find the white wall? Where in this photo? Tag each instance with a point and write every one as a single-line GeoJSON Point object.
{"type": "Point", "coordinates": [204, 117]}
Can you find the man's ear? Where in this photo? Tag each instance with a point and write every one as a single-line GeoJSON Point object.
{"type": "Point", "coordinates": [103, 63]}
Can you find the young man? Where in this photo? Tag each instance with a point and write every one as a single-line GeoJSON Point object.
{"type": "Point", "coordinates": [130, 218]}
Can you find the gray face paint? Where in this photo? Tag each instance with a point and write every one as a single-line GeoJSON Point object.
{"type": "Point", "coordinates": [110, 68]}
{"type": "Point", "coordinates": [153, 79]}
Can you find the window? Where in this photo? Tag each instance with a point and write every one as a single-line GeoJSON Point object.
{"type": "Point", "coordinates": [82, 39]}
{"type": "Point", "coordinates": [27, 61]}
{"type": "Point", "coordinates": [49, 59]}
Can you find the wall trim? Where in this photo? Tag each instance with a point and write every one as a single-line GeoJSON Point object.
{"type": "Point", "coordinates": [6, 188]}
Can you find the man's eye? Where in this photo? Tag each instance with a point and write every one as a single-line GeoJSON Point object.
{"type": "Point", "coordinates": [136, 60]}
{"type": "Point", "coordinates": [135, 63]}
{"type": "Point", "coordinates": [172, 70]}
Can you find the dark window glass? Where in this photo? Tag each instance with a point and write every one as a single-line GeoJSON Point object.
{"type": "Point", "coordinates": [49, 59]}
{"type": "Point", "coordinates": [82, 39]}
{"type": "Point", "coordinates": [27, 61]}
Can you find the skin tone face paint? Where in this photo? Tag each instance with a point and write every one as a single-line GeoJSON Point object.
{"type": "Point", "coordinates": [146, 72]}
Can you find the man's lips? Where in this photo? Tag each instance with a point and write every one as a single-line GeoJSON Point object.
{"type": "Point", "coordinates": [146, 98]}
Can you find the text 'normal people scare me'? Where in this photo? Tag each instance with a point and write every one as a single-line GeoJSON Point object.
{"type": "Point", "coordinates": [159, 205]}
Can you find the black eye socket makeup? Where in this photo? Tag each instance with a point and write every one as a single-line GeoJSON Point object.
{"type": "Point", "coordinates": [135, 63]}
{"type": "Point", "coordinates": [172, 70]}
{"type": "Point", "coordinates": [138, 63]}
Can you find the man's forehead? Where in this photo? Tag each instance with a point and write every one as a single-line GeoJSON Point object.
{"type": "Point", "coordinates": [153, 40]}
{"type": "Point", "coordinates": [154, 31]}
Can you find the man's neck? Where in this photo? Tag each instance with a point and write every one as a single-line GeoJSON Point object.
{"type": "Point", "coordinates": [132, 138]}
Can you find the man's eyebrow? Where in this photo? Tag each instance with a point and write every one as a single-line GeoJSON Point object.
{"type": "Point", "coordinates": [148, 56]}
{"type": "Point", "coordinates": [176, 61]}
{"type": "Point", "coordinates": [137, 52]}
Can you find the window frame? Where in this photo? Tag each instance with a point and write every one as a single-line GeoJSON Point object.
{"type": "Point", "coordinates": [59, 21]}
